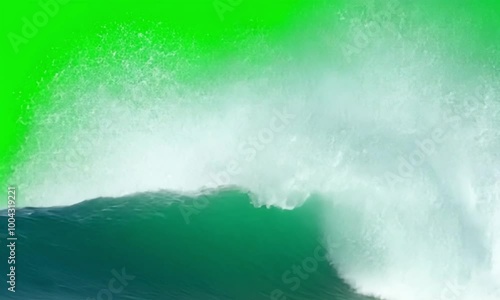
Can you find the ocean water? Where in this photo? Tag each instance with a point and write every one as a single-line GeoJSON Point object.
{"type": "Point", "coordinates": [335, 150]}
{"type": "Point", "coordinates": [231, 249]}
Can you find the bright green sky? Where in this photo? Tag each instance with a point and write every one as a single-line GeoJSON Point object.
{"type": "Point", "coordinates": [468, 29]}
{"type": "Point", "coordinates": [28, 61]}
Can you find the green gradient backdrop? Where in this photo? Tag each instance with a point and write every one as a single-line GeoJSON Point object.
{"type": "Point", "coordinates": [469, 31]}
{"type": "Point", "coordinates": [27, 70]}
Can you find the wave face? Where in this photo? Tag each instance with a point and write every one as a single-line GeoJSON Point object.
{"type": "Point", "coordinates": [228, 249]}
{"type": "Point", "coordinates": [388, 113]}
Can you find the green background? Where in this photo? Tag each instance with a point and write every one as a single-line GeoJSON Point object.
{"type": "Point", "coordinates": [469, 33]}
{"type": "Point", "coordinates": [26, 71]}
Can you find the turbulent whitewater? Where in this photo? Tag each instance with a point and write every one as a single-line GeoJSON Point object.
{"type": "Point", "coordinates": [214, 185]}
